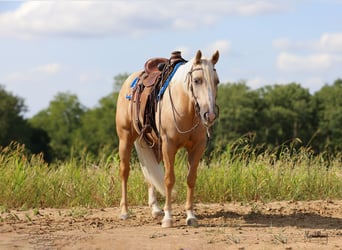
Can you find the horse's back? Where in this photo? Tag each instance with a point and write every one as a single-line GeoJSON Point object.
{"type": "Point", "coordinates": [126, 87]}
{"type": "Point", "coordinates": [123, 110]}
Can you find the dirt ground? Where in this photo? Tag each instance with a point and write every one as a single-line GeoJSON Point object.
{"type": "Point", "coordinates": [276, 225]}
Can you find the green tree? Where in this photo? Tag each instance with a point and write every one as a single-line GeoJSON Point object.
{"type": "Point", "coordinates": [287, 114]}
{"type": "Point", "coordinates": [239, 107]}
{"type": "Point", "coordinates": [13, 126]}
{"type": "Point", "coordinates": [39, 143]}
{"type": "Point", "coordinates": [60, 120]}
{"type": "Point", "coordinates": [328, 102]}
{"type": "Point", "coordinates": [97, 130]}
{"type": "Point", "coordinates": [97, 133]}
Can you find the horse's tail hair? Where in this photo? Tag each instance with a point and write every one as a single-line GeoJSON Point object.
{"type": "Point", "coordinates": [152, 170]}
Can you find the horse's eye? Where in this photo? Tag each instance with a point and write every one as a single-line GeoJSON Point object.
{"type": "Point", "coordinates": [197, 80]}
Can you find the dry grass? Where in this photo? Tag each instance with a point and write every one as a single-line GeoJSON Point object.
{"type": "Point", "coordinates": [28, 182]}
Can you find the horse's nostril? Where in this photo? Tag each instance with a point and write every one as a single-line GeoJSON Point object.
{"type": "Point", "coordinates": [209, 116]}
{"type": "Point", "coordinates": [206, 116]}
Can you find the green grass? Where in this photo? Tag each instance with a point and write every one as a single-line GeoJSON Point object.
{"type": "Point", "coordinates": [28, 182]}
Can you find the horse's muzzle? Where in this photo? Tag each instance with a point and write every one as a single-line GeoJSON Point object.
{"type": "Point", "coordinates": [210, 117]}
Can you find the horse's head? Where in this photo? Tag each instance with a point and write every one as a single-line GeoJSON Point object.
{"type": "Point", "coordinates": [203, 81]}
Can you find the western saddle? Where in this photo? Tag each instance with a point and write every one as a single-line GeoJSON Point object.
{"type": "Point", "coordinates": [146, 93]}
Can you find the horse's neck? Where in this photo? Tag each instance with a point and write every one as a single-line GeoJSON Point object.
{"type": "Point", "coordinates": [180, 90]}
{"type": "Point", "coordinates": [181, 77]}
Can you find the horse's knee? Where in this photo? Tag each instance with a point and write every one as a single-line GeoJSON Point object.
{"type": "Point", "coordinates": [124, 167]}
{"type": "Point", "coordinates": [169, 180]}
{"type": "Point", "coordinates": [191, 183]}
{"type": "Point", "coordinates": [124, 172]}
{"type": "Point", "coordinates": [191, 180]}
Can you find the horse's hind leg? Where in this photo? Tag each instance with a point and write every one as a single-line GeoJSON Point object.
{"type": "Point", "coordinates": [125, 148]}
{"type": "Point", "coordinates": [153, 203]}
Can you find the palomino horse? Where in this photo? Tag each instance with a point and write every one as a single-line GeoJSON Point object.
{"type": "Point", "coordinates": [183, 117]}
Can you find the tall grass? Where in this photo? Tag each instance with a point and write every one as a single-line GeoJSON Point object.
{"type": "Point", "coordinates": [28, 182]}
{"type": "Point", "coordinates": [266, 177]}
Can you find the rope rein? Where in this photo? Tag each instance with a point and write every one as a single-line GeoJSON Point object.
{"type": "Point", "coordinates": [197, 107]}
{"type": "Point", "coordinates": [174, 118]}
{"type": "Point", "coordinates": [196, 104]}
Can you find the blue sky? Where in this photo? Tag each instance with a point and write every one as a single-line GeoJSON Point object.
{"type": "Point", "coordinates": [48, 46]}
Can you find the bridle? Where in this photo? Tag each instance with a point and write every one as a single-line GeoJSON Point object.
{"type": "Point", "coordinates": [196, 104]}
{"type": "Point", "coordinates": [191, 87]}
{"type": "Point", "coordinates": [174, 117]}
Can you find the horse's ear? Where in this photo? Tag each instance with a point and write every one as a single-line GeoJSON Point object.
{"type": "Point", "coordinates": [215, 57]}
{"type": "Point", "coordinates": [198, 57]}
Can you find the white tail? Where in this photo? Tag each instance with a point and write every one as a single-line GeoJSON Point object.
{"type": "Point", "coordinates": [152, 170]}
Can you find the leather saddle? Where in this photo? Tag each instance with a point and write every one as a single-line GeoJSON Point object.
{"type": "Point", "coordinates": [144, 94]}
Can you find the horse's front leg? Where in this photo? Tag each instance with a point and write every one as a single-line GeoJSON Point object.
{"type": "Point", "coordinates": [193, 161]}
{"type": "Point", "coordinates": [169, 180]}
{"type": "Point", "coordinates": [191, 219]}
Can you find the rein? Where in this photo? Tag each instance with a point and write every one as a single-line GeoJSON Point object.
{"type": "Point", "coordinates": [174, 117]}
{"type": "Point", "coordinates": [197, 107]}
{"type": "Point", "coordinates": [196, 104]}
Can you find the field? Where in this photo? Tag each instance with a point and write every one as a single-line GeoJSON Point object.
{"type": "Point", "coordinates": [256, 225]}
{"type": "Point", "coordinates": [288, 200]}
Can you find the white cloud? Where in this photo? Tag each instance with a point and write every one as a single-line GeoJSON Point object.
{"type": "Point", "coordinates": [259, 7]}
{"type": "Point", "coordinates": [223, 46]}
{"type": "Point", "coordinates": [281, 43]}
{"type": "Point", "coordinates": [295, 63]}
{"type": "Point", "coordinates": [287, 44]}
{"type": "Point", "coordinates": [91, 77]}
{"type": "Point", "coordinates": [36, 72]}
{"type": "Point", "coordinates": [51, 68]}
{"type": "Point", "coordinates": [328, 42]}
{"type": "Point", "coordinates": [313, 56]}
{"type": "Point", "coordinates": [101, 18]}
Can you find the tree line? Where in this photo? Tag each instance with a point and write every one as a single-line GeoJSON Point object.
{"type": "Point", "coordinates": [268, 117]}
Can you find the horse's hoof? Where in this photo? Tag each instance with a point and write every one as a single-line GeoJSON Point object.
{"type": "Point", "coordinates": [123, 216]}
{"type": "Point", "coordinates": [192, 222]}
{"type": "Point", "coordinates": [157, 213]}
{"type": "Point", "coordinates": [167, 223]}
